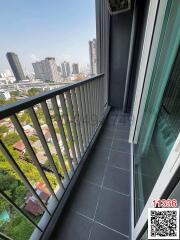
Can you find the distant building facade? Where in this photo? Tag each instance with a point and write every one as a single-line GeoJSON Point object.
{"type": "Point", "coordinates": [5, 95]}
{"type": "Point", "coordinates": [15, 66]}
{"type": "Point", "coordinates": [59, 69]}
{"type": "Point", "coordinates": [75, 68]}
{"type": "Point", "coordinates": [65, 69]}
{"type": "Point", "coordinates": [93, 56]}
{"type": "Point", "coordinates": [46, 70]}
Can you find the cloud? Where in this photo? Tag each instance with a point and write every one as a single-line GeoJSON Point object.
{"type": "Point", "coordinates": [34, 58]}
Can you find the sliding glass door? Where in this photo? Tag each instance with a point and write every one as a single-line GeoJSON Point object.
{"type": "Point", "coordinates": [160, 125]}
{"type": "Point", "coordinates": [156, 139]}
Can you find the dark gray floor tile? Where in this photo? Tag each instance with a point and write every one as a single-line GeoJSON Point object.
{"type": "Point", "coordinates": [94, 171]}
{"type": "Point", "coordinates": [123, 127]}
{"type": "Point", "coordinates": [73, 227]}
{"type": "Point", "coordinates": [120, 159]}
{"type": "Point", "coordinates": [117, 179]}
{"type": "Point", "coordinates": [107, 132]}
{"type": "Point", "coordinates": [121, 133]}
{"type": "Point", "coordinates": [100, 154]}
{"type": "Point", "coordinates": [84, 198]}
{"type": "Point", "coordinates": [100, 232]}
{"type": "Point", "coordinates": [113, 211]}
{"type": "Point", "coordinates": [124, 119]}
{"type": "Point", "coordinates": [110, 124]}
{"type": "Point", "coordinates": [112, 120]}
{"type": "Point", "coordinates": [121, 145]}
{"type": "Point", "coordinates": [105, 142]}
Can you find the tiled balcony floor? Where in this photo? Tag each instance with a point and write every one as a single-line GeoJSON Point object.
{"type": "Point", "coordinates": [99, 207]}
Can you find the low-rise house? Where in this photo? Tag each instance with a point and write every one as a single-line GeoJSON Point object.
{"type": "Point", "coordinates": [31, 204]}
{"type": "Point", "coordinates": [29, 130]}
{"type": "Point", "coordinates": [46, 133]}
{"type": "Point", "coordinates": [20, 147]}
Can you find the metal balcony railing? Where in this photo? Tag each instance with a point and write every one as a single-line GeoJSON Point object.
{"type": "Point", "coordinates": [72, 115]}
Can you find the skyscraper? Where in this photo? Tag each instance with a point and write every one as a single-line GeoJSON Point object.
{"type": "Point", "coordinates": [46, 70]}
{"type": "Point", "coordinates": [65, 68]}
{"type": "Point", "coordinates": [75, 68]}
{"type": "Point", "coordinates": [15, 66]}
{"type": "Point", "coordinates": [92, 57]}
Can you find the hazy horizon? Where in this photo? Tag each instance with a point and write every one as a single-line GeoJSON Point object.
{"type": "Point", "coordinates": [38, 29]}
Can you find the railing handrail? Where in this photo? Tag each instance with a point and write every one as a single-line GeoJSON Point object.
{"type": "Point", "coordinates": [12, 108]}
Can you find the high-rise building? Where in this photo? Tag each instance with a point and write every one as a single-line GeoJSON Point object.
{"type": "Point", "coordinates": [46, 70]}
{"type": "Point", "coordinates": [93, 57]}
{"type": "Point", "coordinates": [59, 69]}
{"type": "Point", "coordinates": [15, 66]}
{"type": "Point", "coordinates": [65, 69]}
{"type": "Point", "coordinates": [75, 68]}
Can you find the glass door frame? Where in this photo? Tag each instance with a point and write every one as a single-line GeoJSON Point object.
{"type": "Point", "coordinates": [165, 179]}
{"type": "Point", "coordinates": [156, 14]}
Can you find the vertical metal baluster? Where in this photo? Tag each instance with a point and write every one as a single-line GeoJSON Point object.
{"type": "Point", "coordinates": [79, 104]}
{"type": "Point", "coordinates": [73, 125]}
{"type": "Point", "coordinates": [68, 127]}
{"type": "Point", "coordinates": [99, 97]}
{"type": "Point", "coordinates": [98, 83]}
{"type": "Point", "coordinates": [77, 120]}
{"type": "Point", "coordinates": [91, 105]}
{"type": "Point", "coordinates": [38, 129]}
{"type": "Point", "coordinates": [31, 152]}
{"type": "Point", "coordinates": [18, 209]}
{"type": "Point", "coordinates": [102, 90]}
{"type": "Point", "coordinates": [60, 126]}
{"type": "Point", "coordinates": [94, 105]}
{"type": "Point", "coordinates": [87, 109]}
{"type": "Point", "coordinates": [54, 137]}
{"type": "Point", "coordinates": [100, 101]}
{"type": "Point", "coordinates": [96, 102]}
{"type": "Point", "coordinates": [17, 169]}
{"type": "Point", "coordinates": [84, 112]}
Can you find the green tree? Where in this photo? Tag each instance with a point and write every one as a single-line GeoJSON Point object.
{"type": "Point", "coordinates": [18, 228]}
{"type": "Point", "coordinates": [33, 92]}
{"type": "Point", "coordinates": [11, 139]}
{"type": "Point", "coordinates": [3, 129]}
{"type": "Point", "coordinates": [40, 116]}
{"type": "Point", "coordinates": [24, 118]}
{"type": "Point", "coordinates": [33, 138]}
{"type": "Point", "coordinates": [3, 206]}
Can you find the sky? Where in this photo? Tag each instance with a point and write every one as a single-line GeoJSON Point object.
{"type": "Point", "coordinates": [35, 29]}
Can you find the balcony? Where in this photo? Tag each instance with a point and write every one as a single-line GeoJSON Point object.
{"type": "Point", "coordinates": [99, 206]}
{"type": "Point", "coordinates": [84, 189]}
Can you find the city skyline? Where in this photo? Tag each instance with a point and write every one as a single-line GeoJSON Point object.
{"type": "Point", "coordinates": [55, 38]}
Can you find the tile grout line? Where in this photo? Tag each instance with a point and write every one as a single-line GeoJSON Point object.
{"type": "Point", "coordinates": [123, 169]}
{"type": "Point", "coordinates": [111, 229]}
{"type": "Point", "coordinates": [101, 186]}
{"type": "Point", "coordinates": [106, 188]}
{"type": "Point", "coordinates": [115, 150]}
{"type": "Point", "coordinates": [81, 214]}
{"type": "Point", "coordinates": [112, 190]}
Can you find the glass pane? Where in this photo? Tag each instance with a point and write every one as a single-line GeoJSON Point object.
{"type": "Point", "coordinates": [160, 126]}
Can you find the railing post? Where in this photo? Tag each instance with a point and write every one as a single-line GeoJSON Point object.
{"type": "Point", "coordinates": [62, 133]}
{"type": "Point", "coordinates": [83, 129]}
{"type": "Point", "coordinates": [77, 120]}
{"type": "Point", "coordinates": [68, 127]}
{"type": "Point", "coordinates": [73, 125]}
{"type": "Point", "coordinates": [54, 138]}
